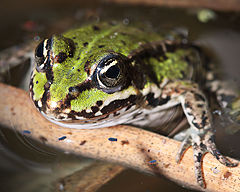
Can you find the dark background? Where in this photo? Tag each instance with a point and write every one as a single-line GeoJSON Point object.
{"type": "Point", "coordinates": [26, 165]}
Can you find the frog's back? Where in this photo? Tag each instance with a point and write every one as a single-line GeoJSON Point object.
{"type": "Point", "coordinates": [163, 58]}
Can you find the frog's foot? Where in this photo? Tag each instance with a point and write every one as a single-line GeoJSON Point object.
{"type": "Point", "coordinates": [202, 145]}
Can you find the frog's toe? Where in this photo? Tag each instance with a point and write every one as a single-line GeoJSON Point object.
{"type": "Point", "coordinates": [201, 145]}
{"type": "Point", "coordinates": [184, 145]}
{"type": "Point", "coordinates": [198, 152]}
{"type": "Point", "coordinates": [211, 148]}
{"type": "Point", "coordinates": [199, 149]}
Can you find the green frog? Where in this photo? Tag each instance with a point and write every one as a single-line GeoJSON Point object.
{"type": "Point", "coordinates": [107, 74]}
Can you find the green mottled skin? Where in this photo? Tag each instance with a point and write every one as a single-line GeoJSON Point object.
{"type": "Point", "coordinates": [39, 82]}
{"type": "Point", "coordinates": [87, 99]}
{"type": "Point", "coordinates": [119, 38]}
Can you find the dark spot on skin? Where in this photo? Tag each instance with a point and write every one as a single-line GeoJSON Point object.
{"type": "Point", "coordinates": [163, 101]}
{"type": "Point", "coordinates": [78, 58]}
{"type": "Point", "coordinates": [85, 44]}
{"type": "Point", "coordinates": [146, 116]}
{"type": "Point", "coordinates": [73, 68]}
{"type": "Point", "coordinates": [99, 103]}
{"type": "Point", "coordinates": [95, 109]}
{"type": "Point", "coordinates": [115, 114]}
{"type": "Point", "coordinates": [86, 115]}
{"type": "Point", "coordinates": [200, 105]}
{"type": "Point", "coordinates": [70, 89]}
{"type": "Point", "coordinates": [187, 105]}
{"type": "Point", "coordinates": [199, 97]}
{"type": "Point", "coordinates": [86, 85]}
{"type": "Point", "coordinates": [102, 118]}
{"type": "Point", "coordinates": [87, 67]}
{"type": "Point", "coordinates": [142, 150]}
{"type": "Point", "coordinates": [61, 117]}
{"type": "Point", "coordinates": [83, 142]}
{"type": "Point", "coordinates": [119, 104]}
{"type": "Point", "coordinates": [212, 139]}
{"type": "Point", "coordinates": [199, 157]}
{"type": "Point", "coordinates": [73, 91]}
{"type": "Point", "coordinates": [227, 174]}
{"type": "Point", "coordinates": [152, 101]}
{"type": "Point", "coordinates": [136, 115]}
{"type": "Point", "coordinates": [101, 46]}
{"type": "Point", "coordinates": [70, 133]}
{"type": "Point", "coordinates": [43, 139]}
{"type": "Point", "coordinates": [196, 125]}
{"type": "Point", "coordinates": [73, 37]}
{"type": "Point", "coordinates": [128, 107]}
{"type": "Point", "coordinates": [124, 142]}
{"type": "Point", "coordinates": [78, 70]}
{"type": "Point", "coordinates": [45, 96]}
{"type": "Point", "coordinates": [204, 119]}
{"type": "Point", "coordinates": [202, 146]}
{"type": "Point", "coordinates": [148, 150]}
{"type": "Point", "coordinates": [96, 28]}
{"type": "Point", "coordinates": [61, 57]}
{"type": "Point", "coordinates": [199, 178]}
{"type": "Point", "coordinates": [47, 85]}
{"type": "Point", "coordinates": [36, 82]}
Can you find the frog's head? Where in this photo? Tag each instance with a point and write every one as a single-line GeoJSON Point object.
{"type": "Point", "coordinates": [74, 84]}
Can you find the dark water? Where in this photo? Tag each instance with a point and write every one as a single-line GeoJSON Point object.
{"type": "Point", "coordinates": [28, 166]}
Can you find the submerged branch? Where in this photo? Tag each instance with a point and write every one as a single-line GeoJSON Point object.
{"type": "Point", "coordinates": [221, 5]}
{"type": "Point", "coordinates": [136, 148]}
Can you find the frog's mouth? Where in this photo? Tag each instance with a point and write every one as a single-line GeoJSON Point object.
{"type": "Point", "coordinates": [120, 116]}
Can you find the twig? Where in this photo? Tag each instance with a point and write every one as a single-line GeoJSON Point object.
{"type": "Point", "coordinates": [89, 179]}
{"type": "Point", "coordinates": [223, 5]}
{"type": "Point", "coordinates": [133, 147]}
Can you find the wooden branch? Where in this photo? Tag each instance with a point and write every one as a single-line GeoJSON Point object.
{"type": "Point", "coordinates": [126, 145]}
{"type": "Point", "coordinates": [223, 5]}
{"type": "Point", "coordinates": [89, 179]}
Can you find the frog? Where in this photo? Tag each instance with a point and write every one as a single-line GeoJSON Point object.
{"type": "Point", "coordinates": [105, 74]}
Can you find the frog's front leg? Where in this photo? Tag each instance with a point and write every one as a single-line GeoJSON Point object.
{"type": "Point", "coordinates": [200, 134]}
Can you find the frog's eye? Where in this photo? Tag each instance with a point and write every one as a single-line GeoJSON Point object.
{"type": "Point", "coordinates": [111, 73]}
{"type": "Point", "coordinates": [41, 51]}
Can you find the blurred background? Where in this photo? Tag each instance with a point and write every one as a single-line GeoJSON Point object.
{"type": "Point", "coordinates": [26, 165]}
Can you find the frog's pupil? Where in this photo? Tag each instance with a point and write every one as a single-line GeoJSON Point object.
{"type": "Point", "coordinates": [113, 72]}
